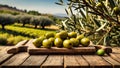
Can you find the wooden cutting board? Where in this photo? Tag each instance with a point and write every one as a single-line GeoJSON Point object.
{"type": "Point", "coordinates": [32, 50]}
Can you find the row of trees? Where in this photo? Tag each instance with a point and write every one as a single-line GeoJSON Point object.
{"type": "Point", "coordinates": [41, 21]}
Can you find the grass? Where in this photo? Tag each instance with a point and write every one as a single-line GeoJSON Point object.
{"type": "Point", "coordinates": [16, 33]}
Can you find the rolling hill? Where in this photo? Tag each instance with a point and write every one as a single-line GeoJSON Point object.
{"type": "Point", "coordinates": [6, 8]}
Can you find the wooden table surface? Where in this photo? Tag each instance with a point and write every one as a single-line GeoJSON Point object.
{"type": "Point", "coordinates": [24, 60]}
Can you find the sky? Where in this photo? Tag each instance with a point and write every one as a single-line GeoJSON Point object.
{"type": "Point", "coordinates": [43, 6]}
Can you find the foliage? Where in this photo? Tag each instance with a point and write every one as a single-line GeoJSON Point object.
{"type": "Point", "coordinates": [44, 21]}
{"type": "Point", "coordinates": [32, 12]}
{"type": "Point", "coordinates": [3, 40]}
{"type": "Point", "coordinates": [9, 12]}
{"type": "Point", "coordinates": [25, 31]}
{"type": "Point", "coordinates": [35, 20]}
{"type": "Point", "coordinates": [6, 9]}
{"type": "Point", "coordinates": [9, 39]}
{"type": "Point", "coordinates": [14, 40]}
{"type": "Point", "coordinates": [97, 19]}
{"type": "Point", "coordinates": [24, 19]}
{"type": "Point", "coordinates": [6, 19]}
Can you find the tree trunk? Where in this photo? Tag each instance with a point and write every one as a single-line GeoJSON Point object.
{"type": "Point", "coordinates": [35, 26]}
{"type": "Point", "coordinates": [23, 24]}
{"type": "Point", "coordinates": [43, 27]}
{"type": "Point", "coordinates": [3, 27]}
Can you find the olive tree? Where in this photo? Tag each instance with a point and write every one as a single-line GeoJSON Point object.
{"type": "Point", "coordinates": [6, 19]}
{"type": "Point", "coordinates": [35, 20]}
{"type": "Point", "coordinates": [45, 21]}
{"type": "Point", "coordinates": [24, 19]}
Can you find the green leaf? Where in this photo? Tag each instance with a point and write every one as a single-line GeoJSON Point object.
{"type": "Point", "coordinates": [81, 24]}
{"type": "Point", "coordinates": [82, 13]}
{"type": "Point", "coordinates": [90, 26]}
{"type": "Point", "coordinates": [89, 1]}
{"type": "Point", "coordinates": [112, 12]}
{"type": "Point", "coordinates": [93, 13]}
{"type": "Point", "coordinates": [104, 8]}
{"type": "Point", "coordinates": [75, 20]}
{"type": "Point", "coordinates": [67, 12]}
{"type": "Point", "coordinates": [105, 40]}
{"type": "Point", "coordinates": [71, 11]}
{"type": "Point", "coordinates": [106, 3]}
{"type": "Point", "coordinates": [58, 3]}
{"type": "Point", "coordinates": [64, 23]}
{"type": "Point", "coordinates": [82, 6]}
{"type": "Point", "coordinates": [97, 23]}
{"type": "Point", "coordinates": [101, 27]}
{"type": "Point", "coordinates": [87, 16]}
{"type": "Point", "coordinates": [118, 2]}
{"type": "Point", "coordinates": [112, 3]}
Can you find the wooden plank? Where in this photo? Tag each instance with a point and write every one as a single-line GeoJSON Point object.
{"type": "Point", "coordinates": [116, 54]}
{"type": "Point", "coordinates": [2, 47]}
{"type": "Point", "coordinates": [114, 63]}
{"type": "Point", "coordinates": [5, 48]}
{"type": "Point", "coordinates": [3, 55]}
{"type": "Point", "coordinates": [96, 61]}
{"type": "Point", "coordinates": [116, 50]}
{"type": "Point", "coordinates": [17, 59]}
{"type": "Point", "coordinates": [115, 57]}
{"type": "Point", "coordinates": [18, 48]}
{"type": "Point", "coordinates": [35, 61]}
{"type": "Point", "coordinates": [55, 50]}
{"type": "Point", "coordinates": [70, 62]}
{"type": "Point", "coordinates": [53, 61]}
{"type": "Point", "coordinates": [82, 62]}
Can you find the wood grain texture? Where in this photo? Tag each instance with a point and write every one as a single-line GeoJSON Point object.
{"type": "Point", "coordinates": [114, 63]}
{"type": "Point", "coordinates": [55, 50]}
{"type": "Point", "coordinates": [116, 49]}
{"type": "Point", "coordinates": [2, 47]}
{"type": "Point", "coordinates": [53, 61]}
{"type": "Point", "coordinates": [115, 57]}
{"type": "Point", "coordinates": [70, 62]}
{"type": "Point", "coordinates": [97, 61]}
{"type": "Point", "coordinates": [35, 60]}
{"type": "Point", "coordinates": [3, 55]}
{"type": "Point", "coordinates": [16, 60]}
{"type": "Point", "coordinates": [81, 61]}
{"type": "Point", "coordinates": [116, 54]}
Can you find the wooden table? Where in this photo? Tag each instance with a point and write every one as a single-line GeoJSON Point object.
{"type": "Point", "coordinates": [24, 60]}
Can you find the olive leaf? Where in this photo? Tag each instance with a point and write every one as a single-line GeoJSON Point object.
{"type": "Point", "coordinates": [112, 3]}
{"type": "Point", "coordinates": [102, 27]}
{"type": "Point", "coordinates": [58, 3]}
